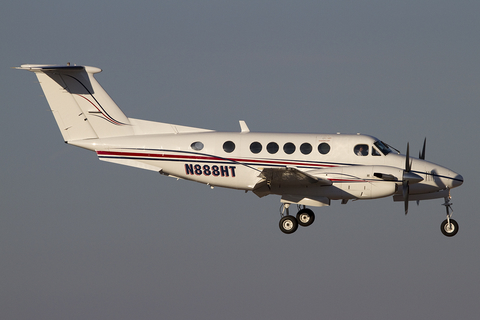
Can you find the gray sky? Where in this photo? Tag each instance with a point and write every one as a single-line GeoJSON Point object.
{"type": "Point", "coordinates": [84, 239]}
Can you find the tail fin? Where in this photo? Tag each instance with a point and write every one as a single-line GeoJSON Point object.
{"type": "Point", "coordinates": [82, 108]}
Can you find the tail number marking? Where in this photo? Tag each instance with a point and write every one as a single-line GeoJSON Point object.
{"type": "Point", "coordinates": [206, 170]}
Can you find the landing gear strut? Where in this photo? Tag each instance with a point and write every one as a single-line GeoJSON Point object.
{"type": "Point", "coordinates": [289, 224]}
{"type": "Point", "coordinates": [449, 227]}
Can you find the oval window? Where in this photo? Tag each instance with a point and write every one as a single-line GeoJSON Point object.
{"type": "Point", "coordinates": [197, 145]}
{"type": "Point", "coordinates": [228, 146]}
{"type": "Point", "coordinates": [324, 148]}
{"type": "Point", "coordinates": [289, 148]}
{"type": "Point", "coordinates": [272, 147]}
{"type": "Point", "coordinates": [256, 147]}
{"type": "Point", "coordinates": [306, 148]}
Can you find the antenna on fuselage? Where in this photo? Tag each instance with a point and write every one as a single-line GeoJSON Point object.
{"type": "Point", "coordinates": [243, 126]}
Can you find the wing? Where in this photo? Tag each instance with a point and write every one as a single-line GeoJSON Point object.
{"type": "Point", "coordinates": [287, 177]}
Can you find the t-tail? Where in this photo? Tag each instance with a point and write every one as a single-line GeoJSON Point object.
{"type": "Point", "coordinates": [83, 109]}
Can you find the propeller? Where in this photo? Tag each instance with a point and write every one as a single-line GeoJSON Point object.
{"type": "Point", "coordinates": [405, 186]}
{"type": "Point", "coordinates": [410, 177]}
{"type": "Point", "coordinates": [421, 155]}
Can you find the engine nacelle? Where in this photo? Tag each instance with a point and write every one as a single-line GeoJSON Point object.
{"type": "Point", "coordinates": [363, 182]}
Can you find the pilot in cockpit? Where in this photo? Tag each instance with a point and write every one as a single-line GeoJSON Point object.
{"type": "Point", "coordinates": [361, 150]}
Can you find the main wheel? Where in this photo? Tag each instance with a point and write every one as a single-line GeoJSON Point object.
{"type": "Point", "coordinates": [305, 217]}
{"type": "Point", "coordinates": [288, 224]}
{"type": "Point", "coordinates": [449, 230]}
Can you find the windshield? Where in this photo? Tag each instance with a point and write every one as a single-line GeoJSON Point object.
{"type": "Point", "coordinates": [382, 147]}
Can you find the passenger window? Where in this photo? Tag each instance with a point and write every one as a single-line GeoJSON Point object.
{"type": "Point", "coordinates": [306, 148]}
{"type": "Point", "coordinates": [289, 148]}
{"type": "Point", "coordinates": [229, 146]}
{"type": "Point", "coordinates": [256, 147]}
{"type": "Point", "coordinates": [324, 148]}
{"type": "Point", "coordinates": [272, 147]}
{"type": "Point", "coordinates": [361, 150]}
{"type": "Point", "coordinates": [197, 145]}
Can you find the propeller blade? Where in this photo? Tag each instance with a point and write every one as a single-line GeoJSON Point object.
{"type": "Point", "coordinates": [406, 191]}
{"type": "Point", "coordinates": [406, 176]}
{"type": "Point", "coordinates": [406, 205]}
{"type": "Point", "coordinates": [422, 153]}
{"type": "Point", "coordinates": [407, 159]}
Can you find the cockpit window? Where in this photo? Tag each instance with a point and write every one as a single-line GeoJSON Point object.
{"type": "Point", "coordinates": [382, 147]}
{"type": "Point", "coordinates": [361, 150]}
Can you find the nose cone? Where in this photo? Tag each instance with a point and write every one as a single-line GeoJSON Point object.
{"type": "Point", "coordinates": [446, 178]}
{"type": "Point", "coordinates": [457, 181]}
{"type": "Point", "coordinates": [452, 179]}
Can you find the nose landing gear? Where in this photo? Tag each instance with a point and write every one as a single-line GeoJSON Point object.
{"type": "Point", "coordinates": [289, 224]}
{"type": "Point", "coordinates": [449, 227]}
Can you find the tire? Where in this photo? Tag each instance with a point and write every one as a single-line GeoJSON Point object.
{"type": "Point", "coordinates": [288, 224]}
{"type": "Point", "coordinates": [449, 232]}
{"type": "Point", "coordinates": [305, 217]}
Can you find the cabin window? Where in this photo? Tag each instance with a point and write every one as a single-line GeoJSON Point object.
{"type": "Point", "coordinates": [324, 148]}
{"type": "Point", "coordinates": [256, 147]}
{"type": "Point", "coordinates": [197, 145]}
{"type": "Point", "coordinates": [228, 146]}
{"type": "Point", "coordinates": [289, 148]}
{"type": "Point", "coordinates": [361, 150]}
{"type": "Point", "coordinates": [272, 147]}
{"type": "Point", "coordinates": [306, 148]}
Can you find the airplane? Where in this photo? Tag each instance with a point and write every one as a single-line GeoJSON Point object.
{"type": "Point", "coordinates": [304, 169]}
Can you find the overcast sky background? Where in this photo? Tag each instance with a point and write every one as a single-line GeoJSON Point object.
{"type": "Point", "coordinates": [84, 239]}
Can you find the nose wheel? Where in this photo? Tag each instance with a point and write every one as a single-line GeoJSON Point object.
{"type": "Point", "coordinates": [289, 224]}
{"type": "Point", "coordinates": [449, 227]}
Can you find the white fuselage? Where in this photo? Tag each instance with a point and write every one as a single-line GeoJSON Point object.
{"type": "Point", "coordinates": [207, 157]}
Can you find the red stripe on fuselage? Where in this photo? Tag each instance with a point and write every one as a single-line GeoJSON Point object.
{"type": "Point", "coordinates": [208, 158]}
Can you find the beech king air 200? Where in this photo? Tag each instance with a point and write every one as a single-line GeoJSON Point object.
{"type": "Point", "coordinates": [304, 169]}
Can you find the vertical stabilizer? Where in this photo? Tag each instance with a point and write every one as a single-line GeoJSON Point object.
{"type": "Point", "coordinates": [81, 107]}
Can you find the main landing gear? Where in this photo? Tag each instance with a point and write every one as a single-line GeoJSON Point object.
{"type": "Point", "coordinates": [449, 227]}
{"type": "Point", "coordinates": [289, 224]}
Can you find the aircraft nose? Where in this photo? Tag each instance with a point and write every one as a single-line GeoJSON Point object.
{"type": "Point", "coordinates": [446, 178]}
{"type": "Point", "coordinates": [457, 181]}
